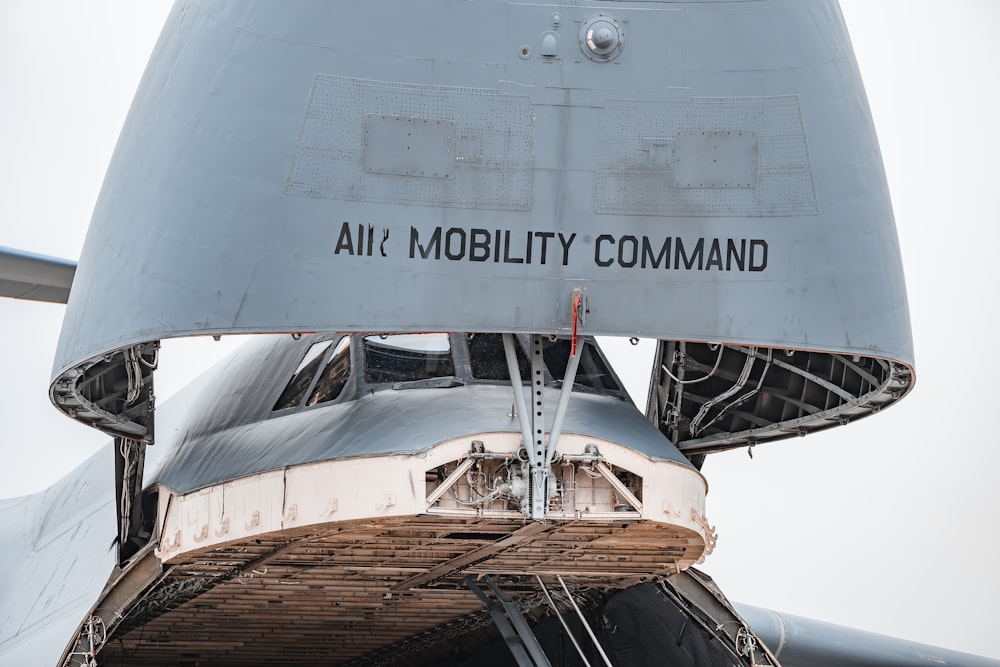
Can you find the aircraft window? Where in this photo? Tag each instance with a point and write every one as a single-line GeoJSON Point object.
{"type": "Point", "coordinates": [335, 375]}
{"type": "Point", "coordinates": [488, 359]}
{"type": "Point", "coordinates": [592, 372]}
{"type": "Point", "coordinates": [407, 357]}
{"type": "Point", "coordinates": [303, 375]}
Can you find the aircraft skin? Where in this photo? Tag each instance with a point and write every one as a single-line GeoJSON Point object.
{"type": "Point", "coordinates": [59, 554]}
{"type": "Point", "coordinates": [35, 277]}
{"type": "Point", "coordinates": [579, 172]}
{"type": "Point", "coordinates": [231, 471]}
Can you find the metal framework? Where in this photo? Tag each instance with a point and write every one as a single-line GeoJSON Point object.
{"type": "Point", "coordinates": [712, 397]}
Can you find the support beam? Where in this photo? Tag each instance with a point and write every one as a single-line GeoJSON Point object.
{"type": "Point", "coordinates": [511, 623]}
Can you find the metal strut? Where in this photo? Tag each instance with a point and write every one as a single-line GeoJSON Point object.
{"type": "Point", "coordinates": [562, 622]}
{"type": "Point", "coordinates": [537, 458]}
{"type": "Point", "coordinates": [510, 622]}
{"type": "Point", "coordinates": [541, 453]}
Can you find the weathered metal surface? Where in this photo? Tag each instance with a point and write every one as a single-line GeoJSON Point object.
{"type": "Point", "coordinates": [341, 593]}
{"type": "Point", "coordinates": [695, 180]}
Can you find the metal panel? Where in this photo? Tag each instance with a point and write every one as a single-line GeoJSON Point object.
{"type": "Point", "coordinates": [715, 159]}
{"type": "Point", "coordinates": [408, 146]}
{"type": "Point", "coordinates": [725, 157]}
{"type": "Point", "coordinates": [58, 554]}
{"type": "Point", "coordinates": [238, 198]}
{"type": "Point", "coordinates": [360, 138]}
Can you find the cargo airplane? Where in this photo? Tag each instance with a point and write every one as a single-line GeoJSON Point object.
{"type": "Point", "coordinates": [423, 215]}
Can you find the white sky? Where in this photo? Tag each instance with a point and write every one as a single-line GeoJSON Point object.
{"type": "Point", "coordinates": [889, 524]}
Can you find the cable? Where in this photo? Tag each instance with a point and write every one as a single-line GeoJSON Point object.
{"type": "Point", "coordinates": [133, 370]}
{"type": "Point", "coordinates": [586, 626]}
{"type": "Point", "coordinates": [480, 501]}
{"type": "Point", "coordinates": [562, 621]}
{"type": "Point", "coordinates": [744, 397]}
{"type": "Point", "coordinates": [740, 383]}
{"type": "Point", "coordinates": [152, 365]}
{"type": "Point", "coordinates": [676, 379]}
{"type": "Point", "coordinates": [126, 501]}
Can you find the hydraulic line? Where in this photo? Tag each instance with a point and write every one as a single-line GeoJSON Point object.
{"type": "Point", "coordinates": [562, 621]}
{"type": "Point", "coordinates": [583, 620]}
{"type": "Point", "coordinates": [740, 383]}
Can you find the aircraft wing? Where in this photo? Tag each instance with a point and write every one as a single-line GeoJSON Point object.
{"type": "Point", "coordinates": [25, 275]}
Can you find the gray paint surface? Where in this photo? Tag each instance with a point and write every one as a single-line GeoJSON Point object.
{"type": "Point", "coordinates": [257, 186]}
{"type": "Point", "coordinates": [226, 428]}
{"type": "Point", "coordinates": [805, 642]}
{"type": "Point", "coordinates": [231, 245]}
{"type": "Point", "coordinates": [26, 275]}
{"type": "Point", "coordinates": [58, 552]}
